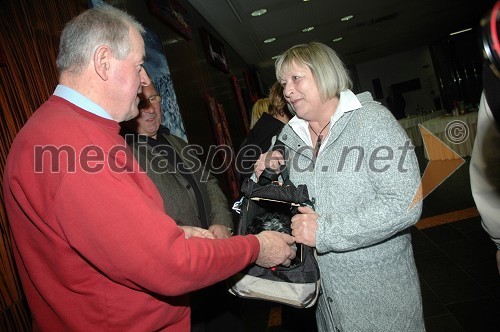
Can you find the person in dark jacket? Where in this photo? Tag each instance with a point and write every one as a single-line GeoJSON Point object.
{"type": "Point", "coordinates": [484, 171]}
{"type": "Point", "coordinates": [259, 138]}
{"type": "Point", "coordinates": [190, 197]}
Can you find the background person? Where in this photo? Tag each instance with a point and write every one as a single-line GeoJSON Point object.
{"type": "Point", "coordinates": [260, 107]}
{"type": "Point", "coordinates": [436, 100]}
{"type": "Point", "coordinates": [94, 248]}
{"type": "Point", "coordinates": [396, 103]}
{"type": "Point", "coordinates": [278, 107]}
{"type": "Point", "coordinates": [485, 160]}
{"type": "Point", "coordinates": [359, 168]}
{"type": "Point", "coordinates": [190, 196]}
{"type": "Point", "coordinates": [259, 138]}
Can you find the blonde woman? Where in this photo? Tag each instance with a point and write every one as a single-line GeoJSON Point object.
{"type": "Point", "coordinates": [268, 125]}
{"type": "Point", "coordinates": [360, 169]}
{"type": "Point", "coordinates": [260, 107]}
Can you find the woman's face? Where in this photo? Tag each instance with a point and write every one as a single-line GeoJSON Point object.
{"type": "Point", "coordinates": [301, 91]}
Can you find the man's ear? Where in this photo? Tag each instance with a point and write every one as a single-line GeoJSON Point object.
{"type": "Point", "coordinates": [102, 63]}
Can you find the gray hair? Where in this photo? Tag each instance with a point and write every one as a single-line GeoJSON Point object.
{"type": "Point", "coordinates": [94, 27]}
{"type": "Point", "coordinates": [329, 72]}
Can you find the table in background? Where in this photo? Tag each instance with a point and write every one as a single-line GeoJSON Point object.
{"type": "Point", "coordinates": [410, 124]}
{"type": "Point", "coordinates": [439, 127]}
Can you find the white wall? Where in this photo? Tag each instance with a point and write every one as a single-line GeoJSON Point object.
{"type": "Point", "coordinates": [398, 68]}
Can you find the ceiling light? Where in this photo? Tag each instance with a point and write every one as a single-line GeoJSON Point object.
{"type": "Point", "coordinates": [457, 32]}
{"type": "Point", "coordinates": [259, 12]}
{"type": "Point", "coordinates": [307, 29]}
{"type": "Point", "coordinates": [346, 18]}
{"type": "Point", "coordinates": [337, 39]}
{"type": "Point", "coordinates": [270, 40]}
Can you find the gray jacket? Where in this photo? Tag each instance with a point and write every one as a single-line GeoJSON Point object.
{"type": "Point", "coordinates": [178, 196]}
{"type": "Point", "coordinates": [363, 198]}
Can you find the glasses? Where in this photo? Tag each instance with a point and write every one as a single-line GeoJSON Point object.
{"type": "Point", "coordinates": [143, 103]}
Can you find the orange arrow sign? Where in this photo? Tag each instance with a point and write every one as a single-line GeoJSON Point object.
{"type": "Point", "coordinates": [437, 170]}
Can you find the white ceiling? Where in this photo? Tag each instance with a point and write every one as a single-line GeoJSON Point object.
{"type": "Point", "coordinates": [379, 27]}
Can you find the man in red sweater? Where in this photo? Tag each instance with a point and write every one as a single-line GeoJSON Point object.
{"type": "Point", "coordinates": [94, 248]}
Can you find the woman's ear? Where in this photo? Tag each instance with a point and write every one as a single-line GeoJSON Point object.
{"type": "Point", "coordinates": [102, 57]}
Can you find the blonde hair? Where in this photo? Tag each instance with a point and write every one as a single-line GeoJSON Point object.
{"type": "Point", "coordinates": [328, 70]}
{"type": "Point", "coordinates": [261, 106]}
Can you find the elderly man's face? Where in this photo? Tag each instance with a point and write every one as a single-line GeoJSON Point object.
{"type": "Point", "coordinates": [126, 78]}
{"type": "Point", "coordinates": [149, 119]}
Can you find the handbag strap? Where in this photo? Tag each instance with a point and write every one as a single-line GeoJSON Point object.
{"type": "Point", "coordinates": [301, 190]}
{"type": "Point", "coordinates": [280, 146]}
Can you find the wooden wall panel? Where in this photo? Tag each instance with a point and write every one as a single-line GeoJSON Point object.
{"type": "Point", "coordinates": [29, 36]}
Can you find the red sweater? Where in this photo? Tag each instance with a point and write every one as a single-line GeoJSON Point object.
{"type": "Point", "coordinates": [93, 245]}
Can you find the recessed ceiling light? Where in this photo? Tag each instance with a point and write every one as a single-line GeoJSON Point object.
{"type": "Point", "coordinates": [259, 12]}
{"type": "Point", "coordinates": [346, 18]}
{"type": "Point", "coordinates": [307, 29]}
{"type": "Point", "coordinates": [337, 39]}
{"type": "Point", "coordinates": [270, 40]}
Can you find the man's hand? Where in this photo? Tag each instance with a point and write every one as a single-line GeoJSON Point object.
{"type": "Point", "coordinates": [220, 231]}
{"type": "Point", "coordinates": [191, 231]}
{"type": "Point", "coordinates": [304, 226]}
{"type": "Point", "coordinates": [271, 159]}
{"type": "Point", "coordinates": [275, 249]}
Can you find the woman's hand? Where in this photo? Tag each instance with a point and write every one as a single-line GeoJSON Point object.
{"type": "Point", "coordinates": [304, 226]}
{"type": "Point", "coordinates": [191, 231]}
{"type": "Point", "coordinates": [271, 159]}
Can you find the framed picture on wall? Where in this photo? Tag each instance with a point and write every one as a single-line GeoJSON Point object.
{"type": "Point", "coordinates": [241, 103]}
{"type": "Point", "coordinates": [211, 106]}
{"type": "Point", "coordinates": [251, 86]}
{"type": "Point", "coordinates": [173, 14]}
{"type": "Point", "coordinates": [219, 121]}
{"type": "Point", "coordinates": [225, 126]}
{"type": "Point", "coordinates": [224, 142]}
{"type": "Point", "coordinates": [214, 50]}
{"type": "Point", "coordinates": [229, 162]}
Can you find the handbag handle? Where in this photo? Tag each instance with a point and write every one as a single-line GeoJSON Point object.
{"type": "Point", "coordinates": [280, 146]}
{"type": "Point", "coordinates": [267, 176]}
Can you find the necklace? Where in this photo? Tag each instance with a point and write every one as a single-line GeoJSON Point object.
{"type": "Point", "coordinates": [319, 140]}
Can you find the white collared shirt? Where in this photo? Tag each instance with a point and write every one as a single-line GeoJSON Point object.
{"type": "Point", "coordinates": [347, 103]}
{"type": "Point", "coordinates": [81, 101]}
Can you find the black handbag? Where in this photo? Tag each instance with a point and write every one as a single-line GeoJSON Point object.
{"type": "Point", "coordinates": [269, 205]}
